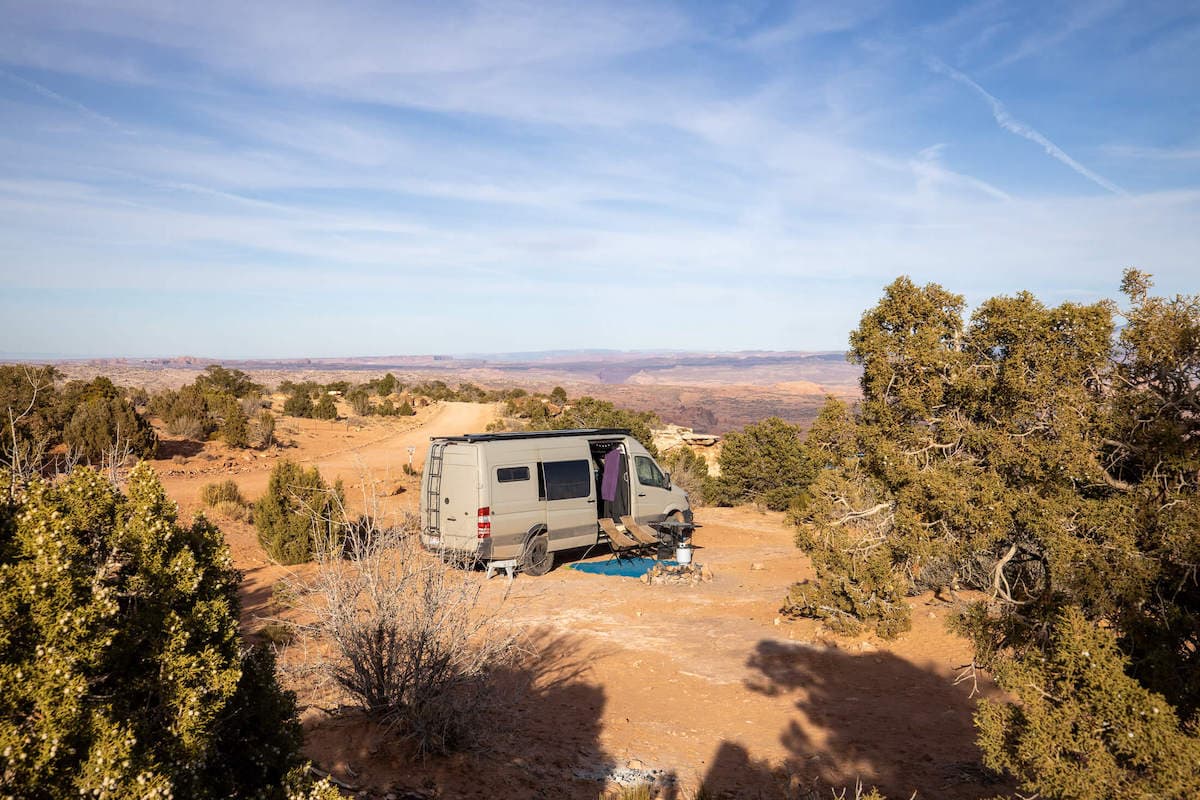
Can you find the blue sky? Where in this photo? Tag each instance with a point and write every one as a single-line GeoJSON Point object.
{"type": "Point", "coordinates": [291, 179]}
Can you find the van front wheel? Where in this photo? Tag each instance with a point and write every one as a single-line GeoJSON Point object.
{"type": "Point", "coordinates": [537, 558]}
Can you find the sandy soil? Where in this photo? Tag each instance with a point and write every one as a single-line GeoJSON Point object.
{"type": "Point", "coordinates": [705, 683]}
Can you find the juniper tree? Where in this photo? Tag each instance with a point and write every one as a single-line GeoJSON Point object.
{"type": "Point", "coordinates": [121, 670]}
{"type": "Point", "coordinates": [1025, 455]}
{"type": "Point", "coordinates": [588, 412]}
{"type": "Point", "coordinates": [297, 509]}
{"type": "Point", "coordinates": [325, 408]}
{"type": "Point", "coordinates": [765, 462]}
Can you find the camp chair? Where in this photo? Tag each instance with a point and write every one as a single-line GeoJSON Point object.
{"type": "Point", "coordinates": [638, 531]}
{"type": "Point", "coordinates": [621, 543]}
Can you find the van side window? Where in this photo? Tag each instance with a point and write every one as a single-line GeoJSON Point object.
{"type": "Point", "coordinates": [510, 474]}
{"type": "Point", "coordinates": [648, 472]}
{"type": "Point", "coordinates": [567, 479]}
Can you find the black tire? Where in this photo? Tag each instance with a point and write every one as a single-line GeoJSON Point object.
{"type": "Point", "coordinates": [537, 558]}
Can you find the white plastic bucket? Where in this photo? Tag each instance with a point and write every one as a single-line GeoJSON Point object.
{"type": "Point", "coordinates": [683, 554]}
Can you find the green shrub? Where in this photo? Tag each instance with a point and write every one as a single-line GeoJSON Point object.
{"type": "Point", "coordinates": [218, 380]}
{"type": "Point", "coordinates": [405, 410]}
{"type": "Point", "coordinates": [121, 670]}
{"type": "Point", "coordinates": [766, 463]}
{"type": "Point", "coordinates": [387, 385]}
{"type": "Point", "coordinates": [1084, 729]}
{"type": "Point", "coordinates": [213, 493]}
{"type": "Point", "coordinates": [298, 404]}
{"type": "Point", "coordinates": [297, 508]}
{"type": "Point", "coordinates": [359, 400]}
{"type": "Point", "coordinates": [31, 419]}
{"type": "Point", "coordinates": [186, 413]}
{"type": "Point", "coordinates": [235, 427]}
{"type": "Point", "coordinates": [387, 408]}
{"type": "Point", "coordinates": [325, 408]}
{"type": "Point", "coordinates": [100, 424]}
{"type": "Point", "coordinates": [588, 412]}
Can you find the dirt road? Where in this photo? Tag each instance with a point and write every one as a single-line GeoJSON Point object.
{"type": "Point", "coordinates": [378, 448]}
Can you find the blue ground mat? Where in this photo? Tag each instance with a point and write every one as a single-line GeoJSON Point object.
{"type": "Point", "coordinates": [624, 567]}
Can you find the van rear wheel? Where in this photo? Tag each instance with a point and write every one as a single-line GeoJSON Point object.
{"type": "Point", "coordinates": [537, 558]}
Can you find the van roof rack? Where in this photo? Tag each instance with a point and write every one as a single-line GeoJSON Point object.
{"type": "Point", "coordinates": [501, 437]}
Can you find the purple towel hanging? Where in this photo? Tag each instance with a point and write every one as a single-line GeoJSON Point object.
{"type": "Point", "coordinates": [612, 473]}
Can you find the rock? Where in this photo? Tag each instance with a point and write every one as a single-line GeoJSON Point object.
{"type": "Point", "coordinates": [757, 566]}
{"type": "Point", "coordinates": [645, 578]}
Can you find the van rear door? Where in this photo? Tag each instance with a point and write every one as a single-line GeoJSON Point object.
{"type": "Point", "coordinates": [457, 499]}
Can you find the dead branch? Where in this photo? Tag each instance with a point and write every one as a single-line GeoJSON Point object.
{"type": "Point", "coordinates": [857, 515]}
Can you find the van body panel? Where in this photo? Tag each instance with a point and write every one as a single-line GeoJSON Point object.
{"type": "Point", "coordinates": [532, 483]}
{"type": "Point", "coordinates": [516, 509]}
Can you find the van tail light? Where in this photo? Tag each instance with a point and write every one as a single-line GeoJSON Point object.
{"type": "Point", "coordinates": [483, 523]}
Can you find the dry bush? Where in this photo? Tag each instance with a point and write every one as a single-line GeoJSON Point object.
{"type": "Point", "coordinates": [410, 646]}
{"type": "Point", "coordinates": [227, 490]}
{"type": "Point", "coordinates": [231, 509]}
{"type": "Point", "coordinates": [263, 430]}
{"type": "Point", "coordinates": [188, 427]}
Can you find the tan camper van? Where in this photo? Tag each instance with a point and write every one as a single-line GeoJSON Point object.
{"type": "Point", "coordinates": [494, 496]}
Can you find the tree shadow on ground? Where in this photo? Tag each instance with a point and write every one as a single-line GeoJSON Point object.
{"type": "Point", "coordinates": [872, 717]}
{"type": "Point", "coordinates": [539, 737]}
{"type": "Point", "coordinates": [170, 448]}
{"type": "Point", "coordinates": [257, 598]}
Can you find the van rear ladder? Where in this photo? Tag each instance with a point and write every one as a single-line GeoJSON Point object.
{"type": "Point", "coordinates": [433, 491]}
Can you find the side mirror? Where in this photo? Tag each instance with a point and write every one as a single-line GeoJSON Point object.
{"type": "Point", "coordinates": [666, 480]}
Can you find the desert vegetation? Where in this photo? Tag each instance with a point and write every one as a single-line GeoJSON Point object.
{"type": "Point", "coordinates": [47, 426]}
{"type": "Point", "coordinates": [218, 402]}
{"type": "Point", "coordinates": [411, 649]}
{"type": "Point", "coordinates": [765, 463]}
{"type": "Point", "coordinates": [555, 411]}
{"type": "Point", "coordinates": [121, 670]}
{"type": "Point", "coordinates": [298, 511]}
{"type": "Point", "coordinates": [1049, 461]}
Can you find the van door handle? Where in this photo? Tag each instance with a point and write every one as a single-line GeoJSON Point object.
{"type": "Point", "coordinates": [451, 519]}
{"type": "Point", "coordinates": [641, 494]}
{"type": "Point", "coordinates": [591, 501]}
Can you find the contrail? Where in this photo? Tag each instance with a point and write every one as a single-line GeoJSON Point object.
{"type": "Point", "coordinates": [66, 101]}
{"type": "Point", "coordinates": [1012, 125]}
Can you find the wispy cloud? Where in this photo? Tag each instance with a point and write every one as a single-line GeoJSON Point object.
{"type": "Point", "coordinates": [1051, 33]}
{"type": "Point", "coordinates": [34, 86]}
{"type": "Point", "coordinates": [1013, 125]}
